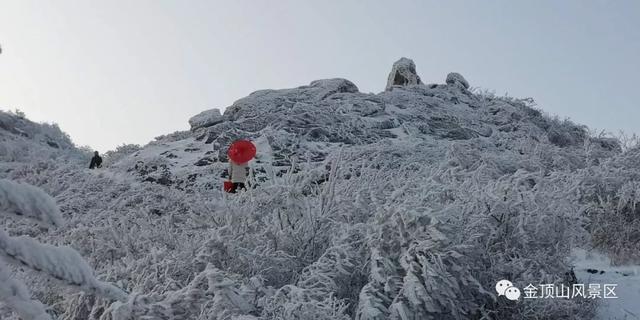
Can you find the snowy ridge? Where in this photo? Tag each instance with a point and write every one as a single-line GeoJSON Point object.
{"type": "Point", "coordinates": [407, 204]}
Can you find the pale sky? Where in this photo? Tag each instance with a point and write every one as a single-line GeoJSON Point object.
{"type": "Point", "coordinates": [113, 72]}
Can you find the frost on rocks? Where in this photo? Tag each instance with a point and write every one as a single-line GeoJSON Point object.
{"type": "Point", "coordinates": [455, 78]}
{"type": "Point", "coordinates": [206, 119]}
{"type": "Point", "coordinates": [328, 87]}
{"type": "Point", "coordinates": [403, 73]}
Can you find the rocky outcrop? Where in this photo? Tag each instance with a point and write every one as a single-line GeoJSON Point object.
{"type": "Point", "coordinates": [333, 86]}
{"type": "Point", "coordinates": [403, 73]}
{"type": "Point", "coordinates": [305, 123]}
{"type": "Point", "coordinates": [206, 119]}
{"type": "Point", "coordinates": [457, 79]}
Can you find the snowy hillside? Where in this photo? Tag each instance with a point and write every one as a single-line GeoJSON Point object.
{"type": "Point", "coordinates": [407, 204]}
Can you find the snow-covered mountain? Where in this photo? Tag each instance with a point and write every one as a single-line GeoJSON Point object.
{"type": "Point", "coordinates": [407, 204]}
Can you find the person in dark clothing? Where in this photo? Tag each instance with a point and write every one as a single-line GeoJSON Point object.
{"type": "Point", "coordinates": [96, 161]}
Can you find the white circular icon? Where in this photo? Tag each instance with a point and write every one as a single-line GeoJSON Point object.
{"type": "Point", "coordinates": [512, 293]}
{"type": "Point", "coordinates": [502, 286]}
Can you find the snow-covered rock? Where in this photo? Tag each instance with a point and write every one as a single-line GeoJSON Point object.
{"type": "Point", "coordinates": [206, 119]}
{"type": "Point", "coordinates": [455, 78]}
{"type": "Point", "coordinates": [403, 73]}
{"type": "Point", "coordinates": [332, 86]}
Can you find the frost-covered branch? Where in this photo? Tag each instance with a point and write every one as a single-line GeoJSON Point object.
{"type": "Point", "coordinates": [25, 200]}
{"type": "Point", "coordinates": [62, 263]}
{"type": "Point", "coordinates": [16, 295]}
{"type": "Point", "coordinates": [211, 287]}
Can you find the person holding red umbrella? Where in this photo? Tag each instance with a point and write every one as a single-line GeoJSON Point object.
{"type": "Point", "coordinates": [240, 153]}
{"type": "Point", "coordinates": [238, 173]}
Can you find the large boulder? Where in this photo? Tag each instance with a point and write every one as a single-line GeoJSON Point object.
{"type": "Point", "coordinates": [206, 119]}
{"type": "Point", "coordinates": [403, 73]}
{"type": "Point", "coordinates": [457, 79]}
{"type": "Point", "coordinates": [329, 87]}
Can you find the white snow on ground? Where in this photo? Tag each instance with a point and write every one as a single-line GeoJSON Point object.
{"type": "Point", "coordinates": [627, 278]}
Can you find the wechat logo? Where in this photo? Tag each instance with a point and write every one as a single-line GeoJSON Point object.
{"type": "Point", "coordinates": [506, 288]}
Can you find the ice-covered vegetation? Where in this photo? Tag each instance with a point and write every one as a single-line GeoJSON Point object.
{"type": "Point", "coordinates": [408, 204]}
{"type": "Point", "coordinates": [61, 263]}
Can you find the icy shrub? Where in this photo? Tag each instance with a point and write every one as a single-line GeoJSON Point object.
{"type": "Point", "coordinates": [612, 194]}
{"type": "Point", "coordinates": [121, 151]}
{"type": "Point", "coordinates": [565, 133]}
{"type": "Point", "coordinates": [61, 263]}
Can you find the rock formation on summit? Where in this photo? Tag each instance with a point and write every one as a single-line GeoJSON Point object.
{"type": "Point", "coordinates": [455, 78]}
{"type": "Point", "coordinates": [205, 119]}
{"type": "Point", "coordinates": [403, 73]}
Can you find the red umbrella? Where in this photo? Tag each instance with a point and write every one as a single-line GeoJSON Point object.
{"type": "Point", "coordinates": [241, 151]}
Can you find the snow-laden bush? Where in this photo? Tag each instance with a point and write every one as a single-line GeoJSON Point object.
{"type": "Point", "coordinates": [611, 194]}
{"type": "Point", "coordinates": [61, 263]}
{"type": "Point", "coordinates": [352, 241]}
{"type": "Point", "coordinates": [120, 152]}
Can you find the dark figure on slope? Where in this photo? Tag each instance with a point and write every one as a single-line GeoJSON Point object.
{"type": "Point", "coordinates": [96, 161]}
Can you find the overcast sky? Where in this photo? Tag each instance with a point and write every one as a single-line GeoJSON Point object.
{"type": "Point", "coordinates": [113, 72]}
